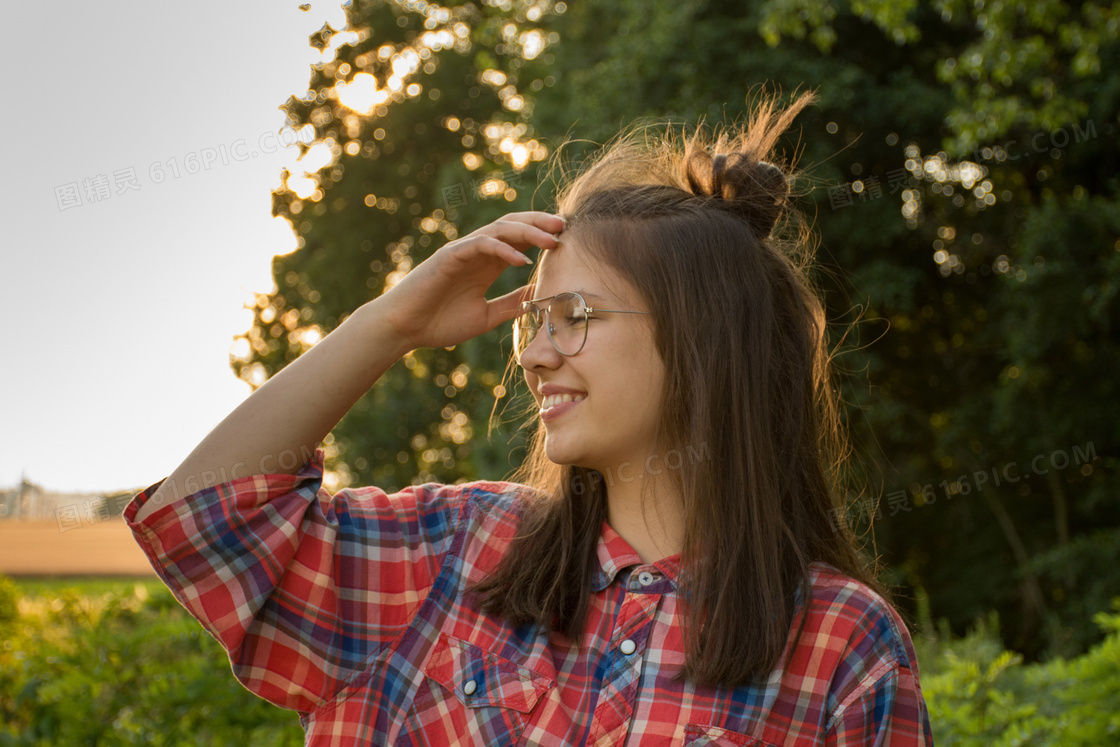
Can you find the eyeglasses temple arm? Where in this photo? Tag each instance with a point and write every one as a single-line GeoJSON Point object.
{"type": "Point", "coordinates": [591, 310]}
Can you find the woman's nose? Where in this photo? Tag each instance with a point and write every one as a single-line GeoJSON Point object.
{"type": "Point", "coordinates": [539, 353]}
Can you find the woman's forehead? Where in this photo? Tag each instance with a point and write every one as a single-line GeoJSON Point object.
{"type": "Point", "coordinates": [570, 268]}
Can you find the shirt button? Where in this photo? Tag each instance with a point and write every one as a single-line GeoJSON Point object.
{"type": "Point", "coordinates": [645, 578]}
{"type": "Point", "coordinates": [628, 647]}
{"type": "Point", "coordinates": [470, 687]}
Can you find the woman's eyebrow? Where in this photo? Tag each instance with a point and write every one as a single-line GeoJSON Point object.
{"type": "Point", "coordinates": [589, 296]}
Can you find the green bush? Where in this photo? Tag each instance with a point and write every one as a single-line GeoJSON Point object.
{"type": "Point", "coordinates": [9, 603]}
{"type": "Point", "coordinates": [980, 694]}
{"type": "Point", "coordinates": [125, 667]}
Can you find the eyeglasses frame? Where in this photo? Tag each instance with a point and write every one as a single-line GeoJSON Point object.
{"type": "Point", "coordinates": [589, 310]}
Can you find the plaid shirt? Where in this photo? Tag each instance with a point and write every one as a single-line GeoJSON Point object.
{"type": "Point", "coordinates": [350, 610]}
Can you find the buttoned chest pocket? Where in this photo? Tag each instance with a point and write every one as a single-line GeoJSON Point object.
{"type": "Point", "coordinates": [472, 697]}
{"type": "Point", "coordinates": [698, 735]}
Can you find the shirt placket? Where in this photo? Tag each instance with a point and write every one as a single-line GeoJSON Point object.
{"type": "Point", "coordinates": [625, 655]}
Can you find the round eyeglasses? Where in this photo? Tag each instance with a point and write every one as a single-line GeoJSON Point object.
{"type": "Point", "coordinates": [565, 321]}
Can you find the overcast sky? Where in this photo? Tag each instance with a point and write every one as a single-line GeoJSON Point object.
{"type": "Point", "coordinates": [125, 263]}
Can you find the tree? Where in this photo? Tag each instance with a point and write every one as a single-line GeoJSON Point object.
{"type": "Point", "coordinates": [421, 115]}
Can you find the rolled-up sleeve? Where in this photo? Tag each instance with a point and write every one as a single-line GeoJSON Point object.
{"type": "Point", "coordinates": [300, 587]}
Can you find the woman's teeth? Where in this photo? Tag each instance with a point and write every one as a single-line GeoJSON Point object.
{"type": "Point", "coordinates": [555, 399]}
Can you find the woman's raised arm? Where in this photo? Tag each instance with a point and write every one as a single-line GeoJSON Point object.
{"type": "Point", "coordinates": [441, 302]}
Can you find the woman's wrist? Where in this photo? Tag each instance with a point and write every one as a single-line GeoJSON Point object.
{"type": "Point", "coordinates": [377, 325]}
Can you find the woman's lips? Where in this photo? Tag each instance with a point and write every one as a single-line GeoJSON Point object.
{"type": "Point", "coordinates": [554, 406]}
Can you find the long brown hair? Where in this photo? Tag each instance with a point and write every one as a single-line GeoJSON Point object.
{"type": "Point", "coordinates": [694, 223]}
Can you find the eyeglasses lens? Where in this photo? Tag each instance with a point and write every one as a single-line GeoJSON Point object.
{"type": "Point", "coordinates": [566, 321]}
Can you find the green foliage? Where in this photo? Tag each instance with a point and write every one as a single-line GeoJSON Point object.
{"type": "Point", "coordinates": [9, 603]}
{"type": "Point", "coordinates": [980, 695]}
{"type": "Point", "coordinates": [439, 153]}
{"type": "Point", "coordinates": [124, 666]}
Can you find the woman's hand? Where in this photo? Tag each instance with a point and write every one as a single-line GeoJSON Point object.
{"type": "Point", "coordinates": [443, 302]}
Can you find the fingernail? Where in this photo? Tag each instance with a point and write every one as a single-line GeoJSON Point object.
{"type": "Point", "coordinates": [527, 260]}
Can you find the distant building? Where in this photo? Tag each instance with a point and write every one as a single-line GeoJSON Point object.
{"type": "Point", "coordinates": [30, 502]}
{"type": "Point", "coordinates": [24, 501]}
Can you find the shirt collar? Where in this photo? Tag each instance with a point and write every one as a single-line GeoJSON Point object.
{"type": "Point", "coordinates": [616, 555]}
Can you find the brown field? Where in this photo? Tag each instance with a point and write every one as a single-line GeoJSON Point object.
{"type": "Point", "coordinates": [38, 548]}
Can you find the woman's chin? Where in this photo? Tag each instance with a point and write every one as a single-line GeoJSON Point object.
{"type": "Point", "coordinates": [560, 460]}
{"type": "Point", "coordinates": [563, 457]}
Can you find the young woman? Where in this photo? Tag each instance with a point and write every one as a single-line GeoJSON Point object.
{"type": "Point", "coordinates": [665, 568]}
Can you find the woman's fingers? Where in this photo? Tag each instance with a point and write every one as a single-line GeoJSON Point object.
{"type": "Point", "coordinates": [510, 254]}
{"type": "Point", "coordinates": [495, 247]}
{"type": "Point", "coordinates": [508, 238]}
{"type": "Point", "coordinates": [545, 221]}
{"type": "Point", "coordinates": [523, 230]}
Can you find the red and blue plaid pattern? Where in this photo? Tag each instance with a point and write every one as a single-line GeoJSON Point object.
{"type": "Point", "coordinates": [350, 609]}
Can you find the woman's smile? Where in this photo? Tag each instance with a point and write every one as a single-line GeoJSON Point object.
{"type": "Point", "coordinates": [555, 405]}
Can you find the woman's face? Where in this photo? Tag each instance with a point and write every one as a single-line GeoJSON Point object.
{"type": "Point", "coordinates": [616, 381]}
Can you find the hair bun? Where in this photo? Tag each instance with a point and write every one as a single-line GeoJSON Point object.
{"type": "Point", "coordinates": [757, 191]}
